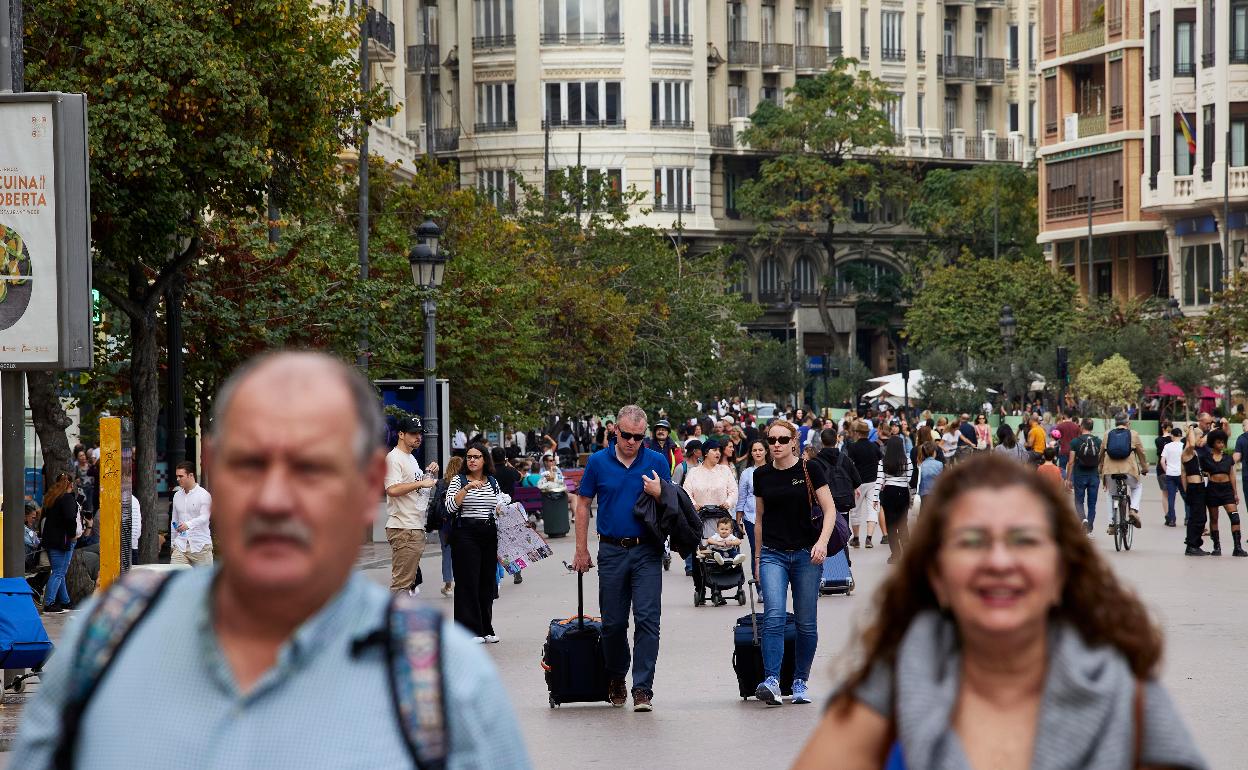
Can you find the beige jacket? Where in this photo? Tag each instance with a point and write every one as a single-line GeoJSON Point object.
{"type": "Point", "coordinates": [1132, 465]}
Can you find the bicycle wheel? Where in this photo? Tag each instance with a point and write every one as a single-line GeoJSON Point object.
{"type": "Point", "coordinates": [1119, 518]}
{"type": "Point", "coordinates": [1128, 529]}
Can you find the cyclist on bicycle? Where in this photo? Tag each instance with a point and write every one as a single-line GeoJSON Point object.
{"type": "Point", "coordinates": [1122, 452]}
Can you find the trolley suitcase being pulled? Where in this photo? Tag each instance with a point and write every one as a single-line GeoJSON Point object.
{"type": "Point", "coordinates": [747, 653]}
{"type": "Point", "coordinates": [572, 656]}
{"type": "Point", "coordinates": [838, 576]}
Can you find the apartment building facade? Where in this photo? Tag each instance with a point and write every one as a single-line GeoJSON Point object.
{"type": "Point", "coordinates": [1196, 166]}
{"type": "Point", "coordinates": [1091, 156]}
{"type": "Point", "coordinates": [654, 94]}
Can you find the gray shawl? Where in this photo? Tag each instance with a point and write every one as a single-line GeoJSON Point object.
{"type": "Point", "coordinates": [1087, 713]}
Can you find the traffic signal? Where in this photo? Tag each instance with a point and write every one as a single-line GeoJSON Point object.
{"type": "Point", "coordinates": [903, 365]}
{"type": "Point", "coordinates": [1063, 367]}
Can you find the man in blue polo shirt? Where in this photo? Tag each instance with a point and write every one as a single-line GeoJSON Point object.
{"type": "Point", "coordinates": [630, 566]}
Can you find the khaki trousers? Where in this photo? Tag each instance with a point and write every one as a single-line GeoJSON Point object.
{"type": "Point", "coordinates": [407, 545]}
{"type": "Point", "coordinates": [200, 558]}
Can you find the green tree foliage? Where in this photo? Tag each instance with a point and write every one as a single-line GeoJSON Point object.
{"type": "Point", "coordinates": [944, 387]}
{"type": "Point", "coordinates": [1108, 385]}
{"type": "Point", "coordinates": [958, 307]}
{"type": "Point", "coordinates": [1130, 328]}
{"type": "Point", "coordinates": [185, 104]}
{"type": "Point", "coordinates": [771, 369]}
{"type": "Point", "coordinates": [1189, 374]}
{"type": "Point", "coordinates": [955, 211]}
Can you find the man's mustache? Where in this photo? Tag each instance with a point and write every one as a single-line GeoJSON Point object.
{"type": "Point", "coordinates": [263, 526]}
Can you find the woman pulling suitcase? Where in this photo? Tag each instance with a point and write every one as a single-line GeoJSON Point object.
{"type": "Point", "coordinates": [793, 548]}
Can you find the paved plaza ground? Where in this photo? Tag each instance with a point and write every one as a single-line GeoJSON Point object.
{"type": "Point", "coordinates": [700, 722]}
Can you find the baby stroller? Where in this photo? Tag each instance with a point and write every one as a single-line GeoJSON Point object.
{"type": "Point", "coordinates": [708, 572]}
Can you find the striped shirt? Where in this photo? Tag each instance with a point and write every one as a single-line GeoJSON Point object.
{"type": "Point", "coordinates": [478, 504]}
{"type": "Point", "coordinates": [891, 481]}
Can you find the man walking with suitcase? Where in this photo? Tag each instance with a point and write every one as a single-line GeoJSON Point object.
{"type": "Point", "coordinates": [630, 566]}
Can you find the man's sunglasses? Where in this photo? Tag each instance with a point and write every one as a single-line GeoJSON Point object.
{"type": "Point", "coordinates": [779, 439]}
{"type": "Point", "coordinates": [630, 436]}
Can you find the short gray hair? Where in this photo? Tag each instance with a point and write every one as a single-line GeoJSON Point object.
{"type": "Point", "coordinates": [370, 422]}
{"type": "Point", "coordinates": [632, 413]}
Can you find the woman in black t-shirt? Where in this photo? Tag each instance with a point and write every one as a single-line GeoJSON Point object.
{"type": "Point", "coordinates": [792, 553]}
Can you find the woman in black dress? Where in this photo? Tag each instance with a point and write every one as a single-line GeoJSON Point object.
{"type": "Point", "coordinates": [1192, 482]}
{"type": "Point", "coordinates": [1219, 465]}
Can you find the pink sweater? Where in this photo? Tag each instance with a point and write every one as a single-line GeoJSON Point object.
{"type": "Point", "coordinates": [716, 487]}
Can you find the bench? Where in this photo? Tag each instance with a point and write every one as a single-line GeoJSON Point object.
{"type": "Point", "coordinates": [530, 498]}
{"type": "Point", "coordinates": [572, 477]}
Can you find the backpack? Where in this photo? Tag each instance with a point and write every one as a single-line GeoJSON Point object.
{"type": "Point", "coordinates": [412, 639]}
{"type": "Point", "coordinates": [1118, 444]}
{"type": "Point", "coordinates": [1089, 453]}
{"type": "Point", "coordinates": [463, 480]}
{"type": "Point", "coordinates": [839, 482]}
{"type": "Point", "coordinates": [436, 515]}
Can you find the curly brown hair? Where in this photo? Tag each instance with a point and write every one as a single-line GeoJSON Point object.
{"type": "Point", "coordinates": [1093, 601]}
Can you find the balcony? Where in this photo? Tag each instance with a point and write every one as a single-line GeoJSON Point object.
{"type": "Point", "coordinates": [444, 139]}
{"type": "Point", "coordinates": [955, 67]}
{"type": "Point", "coordinates": [583, 38]}
{"type": "Point", "coordinates": [835, 52]}
{"type": "Point", "coordinates": [489, 42]}
{"type": "Point", "coordinates": [975, 147]}
{"type": "Point", "coordinates": [678, 207]}
{"type": "Point", "coordinates": [380, 32]}
{"type": "Point", "coordinates": [893, 54]}
{"type": "Point", "coordinates": [684, 125]}
{"type": "Point", "coordinates": [1050, 43]}
{"type": "Point", "coordinates": [921, 56]}
{"type": "Point", "coordinates": [1185, 69]}
{"type": "Point", "coordinates": [777, 55]}
{"type": "Point", "coordinates": [1206, 59]}
{"type": "Point", "coordinates": [742, 53]}
{"type": "Point", "coordinates": [1184, 186]}
{"type": "Point", "coordinates": [1091, 124]}
{"type": "Point", "coordinates": [721, 136]}
{"type": "Point", "coordinates": [615, 123]}
{"type": "Point", "coordinates": [1085, 39]}
{"type": "Point", "coordinates": [866, 52]}
{"type": "Point", "coordinates": [1239, 56]}
{"type": "Point", "coordinates": [1012, 63]}
{"type": "Point", "coordinates": [1080, 208]}
{"type": "Point", "coordinates": [1154, 71]}
{"type": "Point", "coordinates": [494, 127]}
{"type": "Point", "coordinates": [422, 58]}
{"type": "Point", "coordinates": [1238, 180]}
{"type": "Point", "coordinates": [1115, 113]}
{"type": "Point", "coordinates": [810, 57]}
{"type": "Point", "coordinates": [990, 70]}
{"type": "Point", "coordinates": [671, 38]}
{"type": "Point", "coordinates": [989, 3]}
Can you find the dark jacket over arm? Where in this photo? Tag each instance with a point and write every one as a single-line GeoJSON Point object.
{"type": "Point", "coordinates": [672, 515]}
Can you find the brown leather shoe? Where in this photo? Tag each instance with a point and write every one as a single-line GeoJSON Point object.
{"type": "Point", "coordinates": [641, 700]}
{"type": "Point", "coordinates": [617, 692]}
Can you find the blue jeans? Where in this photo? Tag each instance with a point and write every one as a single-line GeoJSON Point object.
{"type": "Point", "coordinates": [56, 592]}
{"type": "Point", "coordinates": [1172, 489]}
{"type": "Point", "coordinates": [1086, 484]}
{"type": "Point", "coordinates": [1062, 462]}
{"type": "Point", "coordinates": [749, 535]}
{"type": "Point", "coordinates": [630, 579]}
{"type": "Point", "coordinates": [779, 569]}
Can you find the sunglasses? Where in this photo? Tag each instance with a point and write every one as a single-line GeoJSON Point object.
{"type": "Point", "coordinates": [625, 435]}
{"type": "Point", "coordinates": [779, 439]}
{"type": "Point", "coordinates": [474, 457]}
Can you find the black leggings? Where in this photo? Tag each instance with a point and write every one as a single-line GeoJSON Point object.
{"type": "Point", "coordinates": [895, 505]}
{"type": "Point", "coordinates": [474, 560]}
{"type": "Point", "coordinates": [1197, 516]}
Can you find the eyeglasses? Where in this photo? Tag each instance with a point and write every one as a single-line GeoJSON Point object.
{"type": "Point", "coordinates": [779, 439]}
{"type": "Point", "coordinates": [626, 436]}
{"type": "Point", "coordinates": [974, 543]}
{"type": "Point", "coordinates": [474, 457]}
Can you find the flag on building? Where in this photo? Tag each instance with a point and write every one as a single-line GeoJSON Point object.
{"type": "Point", "coordinates": [1188, 134]}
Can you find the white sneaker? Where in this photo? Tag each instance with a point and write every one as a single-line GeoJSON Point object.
{"type": "Point", "coordinates": [718, 557]}
{"type": "Point", "coordinates": [413, 591]}
{"type": "Point", "coordinates": [738, 560]}
{"type": "Point", "coordinates": [479, 639]}
{"type": "Point", "coordinates": [1091, 534]}
{"type": "Point", "coordinates": [491, 639]}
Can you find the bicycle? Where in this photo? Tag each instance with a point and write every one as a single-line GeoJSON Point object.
{"type": "Point", "coordinates": [1120, 509]}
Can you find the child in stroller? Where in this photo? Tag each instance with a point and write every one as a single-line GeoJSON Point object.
{"type": "Point", "coordinates": [719, 559]}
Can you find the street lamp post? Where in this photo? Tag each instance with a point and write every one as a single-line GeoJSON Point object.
{"type": "Point", "coordinates": [1008, 327]}
{"type": "Point", "coordinates": [903, 364]}
{"type": "Point", "coordinates": [428, 268]}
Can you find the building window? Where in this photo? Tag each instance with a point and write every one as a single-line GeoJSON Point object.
{"type": "Point", "coordinates": [1208, 24]}
{"type": "Point", "coordinates": [498, 186]}
{"type": "Point", "coordinates": [920, 118]}
{"type": "Point", "coordinates": [1074, 185]}
{"type": "Point", "coordinates": [1050, 105]}
{"type": "Point", "coordinates": [1031, 46]}
{"type": "Point", "coordinates": [598, 187]}
{"type": "Point", "coordinates": [892, 109]}
{"type": "Point", "coordinates": [771, 90]}
{"type": "Point", "coordinates": [1012, 50]}
{"type": "Point", "coordinates": [805, 276]}
{"type": "Point", "coordinates": [801, 25]}
{"type": "Point", "coordinates": [918, 36]}
{"type": "Point", "coordinates": [1115, 90]}
{"type": "Point", "coordinates": [834, 33]}
{"type": "Point", "coordinates": [1031, 120]}
{"type": "Point", "coordinates": [1239, 32]}
{"type": "Point", "coordinates": [738, 96]}
{"type": "Point", "coordinates": [951, 36]}
{"type": "Point", "coordinates": [669, 104]}
{"type": "Point", "coordinates": [1049, 18]}
{"type": "Point", "coordinates": [580, 22]}
{"type": "Point", "coordinates": [1104, 276]}
{"type": "Point", "coordinates": [673, 189]}
{"type": "Point", "coordinates": [737, 26]}
{"type": "Point", "coordinates": [891, 46]}
{"type": "Point", "coordinates": [592, 103]}
{"type": "Point", "coordinates": [1013, 116]}
{"type": "Point", "coordinates": [669, 22]}
{"type": "Point", "coordinates": [1202, 273]}
{"type": "Point", "coordinates": [1184, 143]}
{"type": "Point", "coordinates": [496, 106]}
{"type": "Point", "coordinates": [863, 48]}
{"type": "Point", "coordinates": [1185, 42]}
{"type": "Point", "coordinates": [1239, 134]}
{"type": "Point", "coordinates": [864, 275]}
{"type": "Point", "coordinates": [1154, 45]}
{"type": "Point", "coordinates": [951, 109]}
{"type": "Point", "coordinates": [769, 279]}
{"type": "Point", "coordinates": [981, 40]}
{"type": "Point", "coordinates": [981, 116]}
{"type": "Point", "coordinates": [494, 23]}
{"type": "Point", "coordinates": [1154, 150]}
{"type": "Point", "coordinates": [1209, 142]}
{"type": "Point", "coordinates": [768, 23]}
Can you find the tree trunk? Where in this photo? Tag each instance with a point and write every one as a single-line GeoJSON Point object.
{"type": "Point", "coordinates": [50, 421]}
{"type": "Point", "coordinates": [145, 397]}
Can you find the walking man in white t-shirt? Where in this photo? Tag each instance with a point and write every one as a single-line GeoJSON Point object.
{"type": "Point", "coordinates": [407, 505]}
{"type": "Point", "coordinates": [191, 541]}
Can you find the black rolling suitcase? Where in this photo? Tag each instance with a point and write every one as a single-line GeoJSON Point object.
{"type": "Point", "coordinates": [572, 656]}
{"type": "Point", "coordinates": [747, 653]}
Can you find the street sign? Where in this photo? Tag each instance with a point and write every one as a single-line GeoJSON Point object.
{"type": "Point", "coordinates": [45, 232]}
{"type": "Point", "coordinates": [814, 364]}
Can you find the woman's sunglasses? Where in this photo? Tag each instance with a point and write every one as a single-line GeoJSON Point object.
{"type": "Point", "coordinates": [779, 439]}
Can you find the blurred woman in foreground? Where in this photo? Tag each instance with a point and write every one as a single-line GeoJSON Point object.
{"type": "Point", "coordinates": [1003, 641]}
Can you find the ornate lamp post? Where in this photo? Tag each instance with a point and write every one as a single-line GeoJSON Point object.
{"type": "Point", "coordinates": [428, 269]}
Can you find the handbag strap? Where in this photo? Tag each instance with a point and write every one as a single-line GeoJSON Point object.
{"type": "Point", "coordinates": [810, 488]}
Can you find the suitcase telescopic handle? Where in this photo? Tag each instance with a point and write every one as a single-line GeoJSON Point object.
{"type": "Point", "coordinates": [753, 618]}
{"type": "Point", "coordinates": [580, 599]}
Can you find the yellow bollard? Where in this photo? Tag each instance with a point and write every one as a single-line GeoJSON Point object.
{"type": "Point", "coordinates": [108, 519]}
